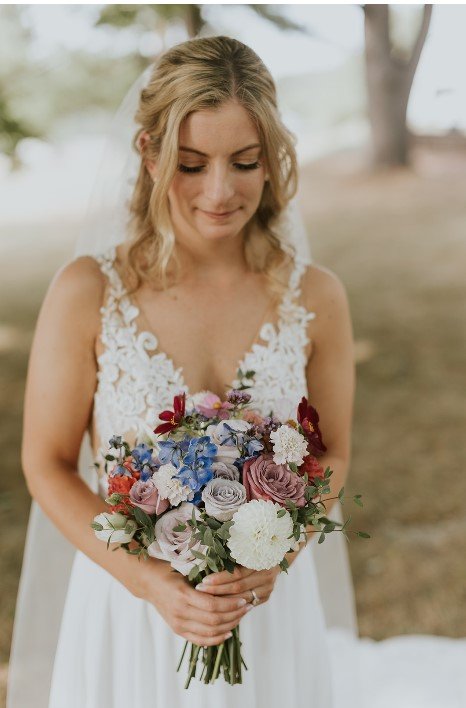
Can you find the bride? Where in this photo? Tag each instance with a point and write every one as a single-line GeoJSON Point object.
{"type": "Point", "coordinates": [204, 288]}
{"type": "Point", "coordinates": [198, 277]}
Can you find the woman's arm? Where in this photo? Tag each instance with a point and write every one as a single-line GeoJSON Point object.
{"type": "Point", "coordinates": [58, 407]}
{"type": "Point", "coordinates": [330, 371]}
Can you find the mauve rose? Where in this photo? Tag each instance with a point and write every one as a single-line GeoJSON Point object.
{"type": "Point", "coordinates": [176, 546]}
{"type": "Point", "coordinates": [225, 469]}
{"type": "Point", "coordinates": [264, 479]}
{"type": "Point", "coordinates": [222, 497]}
{"type": "Point", "coordinates": [145, 495]}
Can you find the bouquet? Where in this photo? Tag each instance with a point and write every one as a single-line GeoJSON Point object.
{"type": "Point", "coordinates": [221, 485]}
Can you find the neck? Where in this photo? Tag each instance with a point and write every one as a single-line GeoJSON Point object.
{"type": "Point", "coordinates": [217, 259]}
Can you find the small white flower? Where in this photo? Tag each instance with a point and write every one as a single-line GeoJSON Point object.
{"type": "Point", "coordinates": [288, 445]}
{"type": "Point", "coordinates": [258, 537]}
{"type": "Point", "coordinates": [116, 527]}
{"type": "Point", "coordinates": [169, 486]}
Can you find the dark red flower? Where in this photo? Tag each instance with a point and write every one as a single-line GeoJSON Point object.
{"type": "Point", "coordinates": [311, 467]}
{"type": "Point", "coordinates": [173, 417]}
{"type": "Point", "coordinates": [308, 418]}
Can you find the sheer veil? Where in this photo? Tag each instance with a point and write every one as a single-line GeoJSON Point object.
{"type": "Point", "coordinates": [48, 556]}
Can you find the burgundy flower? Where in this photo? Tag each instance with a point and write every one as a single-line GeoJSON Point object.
{"type": "Point", "coordinates": [264, 479]}
{"type": "Point", "coordinates": [308, 418]}
{"type": "Point", "coordinates": [173, 417]}
{"type": "Point", "coordinates": [312, 468]}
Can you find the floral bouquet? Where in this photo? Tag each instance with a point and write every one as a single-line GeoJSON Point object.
{"type": "Point", "coordinates": [221, 486]}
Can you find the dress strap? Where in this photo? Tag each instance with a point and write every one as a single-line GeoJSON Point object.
{"type": "Point", "coordinates": [117, 302]}
{"type": "Point", "coordinates": [106, 262]}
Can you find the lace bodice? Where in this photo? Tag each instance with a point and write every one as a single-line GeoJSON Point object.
{"type": "Point", "coordinates": [136, 381]}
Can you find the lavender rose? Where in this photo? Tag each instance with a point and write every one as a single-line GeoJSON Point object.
{"type": "Point", "coordinates": [146, 496]}
{"type": "Point", "coordinates": [264, 479]}
{"type": "Point", "coordinates": [223, 497]}
{"type": "Point", "coordinates": [176, 546]}
{"type": "Point", "coordinates": [225, 469]}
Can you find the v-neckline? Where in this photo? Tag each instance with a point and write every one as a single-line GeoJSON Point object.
{"type": "Point", "coordinates": [178, 371]}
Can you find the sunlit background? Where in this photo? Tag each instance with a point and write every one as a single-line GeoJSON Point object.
{"type": "Point", "coordinates": [392, 229]}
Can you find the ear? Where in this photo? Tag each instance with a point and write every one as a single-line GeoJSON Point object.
{"type": "Point", "coordinates": [142, 144]}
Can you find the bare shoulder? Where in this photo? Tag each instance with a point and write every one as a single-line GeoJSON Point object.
{"type": "Point", "coordinates": [76, 293]}
{"type": "Point", "coordinates": [322, 288]}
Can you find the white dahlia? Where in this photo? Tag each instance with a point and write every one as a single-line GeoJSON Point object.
{"type": "Point", "coordinates": [258, 537]}
{"type": "Point", "coordinates": [288, 445]}
{"type": "Point", "coordinates": [169, 486]}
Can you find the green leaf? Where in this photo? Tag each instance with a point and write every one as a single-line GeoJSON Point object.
{"type": "Point", "coordinates": [198, 555]}
{"type": "Point", "coordinates": [193, 573]}
{"type": "Point", "coordinates": [180, 527]}
{"type": "Point", "coordinates": [110, 458]}
{"type": "Point", "coordinates": [208, 538]}
{"type": "Point", "coordinates": [357, 501]}
{"type": "Point", "coordinates": [141, 516]}
{"type": "Point", "coordinates": [229, 565]}
{"type": "Point", "coordinates": [249, 374]}
{"type": "Point", "coordinates": [281, 513]}
{"type": "Point", "coordinates": [212, 564]}
{"type": "Point", "coordinates": [363, 534]}
{"type": "Point", "coordinates": [293, 466]}
{"type": "Point", "coordinates": [284, 565]}
{"type": "Point", "coordinates": [341, 494]}
{"type": "Point", "coordinates": [328, 473]}
{"type": "Point", "coordinates": [96, 526]}
{"type": "Point", "coordinates": [321, 538]}
{"type": "Point", "coordinates": [213, 523]}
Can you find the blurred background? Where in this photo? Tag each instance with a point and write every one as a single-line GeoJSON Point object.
{"type": "Point", "coordinates": [377, 99]}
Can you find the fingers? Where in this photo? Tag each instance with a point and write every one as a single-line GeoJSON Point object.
{"type": "Point", "coordinates": [209, 603]}
{"type": "Point", "coordinates": [226, 577]}
{"type": "Point", "coordinates": [206, 632]}
{"type": "Point", "coordinates": [214, 619]}
{"type": "Point", "coordinates": [240, 586]}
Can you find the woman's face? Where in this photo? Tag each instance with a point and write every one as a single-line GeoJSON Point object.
{"type": "Point", "coordinates": [220, 176]}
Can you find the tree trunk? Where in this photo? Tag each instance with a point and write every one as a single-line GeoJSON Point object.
{"type": "Point", "coordinates": [389, 82]}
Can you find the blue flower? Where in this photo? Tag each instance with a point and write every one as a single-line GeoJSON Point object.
{"type": "Point", "coordinates": [120, 471]}
{"type": "Point", "coordinates": [200, 447]}
{"type": "Point", "coordinates": [253, 445]}
{"type": "Point", "coordinates": [198, 475]}
{"type": "Point", "coordinates": [172, 451]}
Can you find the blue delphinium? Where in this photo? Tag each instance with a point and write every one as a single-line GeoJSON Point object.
{"type": "Point", "coordinates": [171, 451]}
{"type": "Point", "coordinates": [197, 463]}
{"type": "Point", "coordinates": [200, 447]}
{"type": "Point", "coordinates": [143, 461]}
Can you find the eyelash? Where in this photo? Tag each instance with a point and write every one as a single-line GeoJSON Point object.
{"type": "Point", "coordinates": [238, 165]}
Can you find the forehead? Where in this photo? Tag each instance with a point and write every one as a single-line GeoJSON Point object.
{"type": "Point", "coordinates": [224, 129]}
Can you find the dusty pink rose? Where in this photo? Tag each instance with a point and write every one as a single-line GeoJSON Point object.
{"type": "Point", "coordinates": [264, 479]}
{"type": "Point", "coordinates": [145, 495]}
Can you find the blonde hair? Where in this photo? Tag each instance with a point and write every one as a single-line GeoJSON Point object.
{"type": "Point", "coordinates": [196, 75]}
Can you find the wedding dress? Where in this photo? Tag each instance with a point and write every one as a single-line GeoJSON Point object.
{"type": "Point", "coordinates": [115, 650]}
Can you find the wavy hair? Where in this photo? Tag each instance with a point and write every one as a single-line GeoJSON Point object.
{"type": "Point", "coordinates": [201, 74]}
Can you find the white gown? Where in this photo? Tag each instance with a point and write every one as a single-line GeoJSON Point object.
{"type": "Point", "coordinates": [301, 647]}
{"type": "Point", "coordinates": [115, 650]}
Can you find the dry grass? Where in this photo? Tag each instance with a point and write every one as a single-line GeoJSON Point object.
{"type": "Point", "coordinates": [397, 242]}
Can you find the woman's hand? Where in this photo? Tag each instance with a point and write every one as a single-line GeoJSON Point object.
{"type": "Point", "coordinates": [200, 618]}
{"type": "Point", "coordinates": [241, 583]}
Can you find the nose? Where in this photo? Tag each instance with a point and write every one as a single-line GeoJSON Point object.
{"type": "Point", "coordinates": [219, 188]}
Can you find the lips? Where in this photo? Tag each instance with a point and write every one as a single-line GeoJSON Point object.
{"type": "Point", "coordinates": [219, 215]}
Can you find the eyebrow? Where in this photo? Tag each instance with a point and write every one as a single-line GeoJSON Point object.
{"type": "Point", "coordinates": [203, 154]}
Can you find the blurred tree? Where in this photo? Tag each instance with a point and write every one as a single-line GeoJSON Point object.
{"type": "Point", "coordinates": [14, 126]}
{"type": "Point", "coordinates": [155, 17]}
{"type": "Point", "coordinates": [390, 71]}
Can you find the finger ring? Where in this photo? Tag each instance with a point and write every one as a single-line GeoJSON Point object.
{"type": "Point", "coordinates": [255, 600]}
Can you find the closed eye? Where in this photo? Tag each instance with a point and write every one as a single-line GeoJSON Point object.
{"type": "Point", "coordinates": [238, 165]}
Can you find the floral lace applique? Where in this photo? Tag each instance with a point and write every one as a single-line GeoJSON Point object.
{"type": "Point", "coordinates": [136, 381]}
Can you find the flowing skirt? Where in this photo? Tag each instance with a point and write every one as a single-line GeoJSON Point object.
{"type": "Point", "coordinates": [115, 650]}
